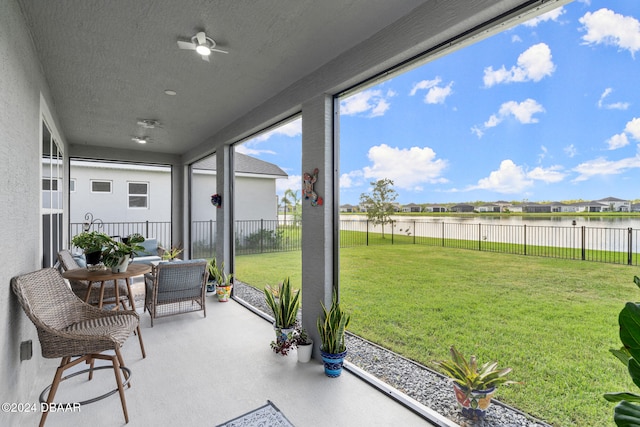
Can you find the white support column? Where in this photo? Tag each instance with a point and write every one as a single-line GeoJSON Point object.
{"type": "Point", "coordinates": [318, 221]}
{"type": "Point", "coordinates": [224, 214]}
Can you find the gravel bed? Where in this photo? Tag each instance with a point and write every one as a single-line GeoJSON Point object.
{"type": "Point", "coordinates": [419, 382]}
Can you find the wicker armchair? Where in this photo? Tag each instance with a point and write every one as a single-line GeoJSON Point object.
{"type": "Point", "coordinates": [73, 330]}
{"type": "Point", "coordinates": [176, 287]}
{"type": "Point", "coordinates": [81, 287]}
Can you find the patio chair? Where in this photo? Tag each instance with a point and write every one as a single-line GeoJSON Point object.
{"type": "Point", "coordinates": [176, 287]}
{"type": "Point", "coordinates": [80, 287]}
{"type": "Point", "coordinates": [73, 330]}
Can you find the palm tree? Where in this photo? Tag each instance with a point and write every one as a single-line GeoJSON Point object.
{"type": "Point", "coordinates": [291, 198]}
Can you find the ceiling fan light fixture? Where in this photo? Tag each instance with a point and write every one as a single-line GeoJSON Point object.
{"type": "Point", "coordinates": [140, 139]}
{"type": "Point", "coordinates": [148, 123]}
{"type": "Point", "coordinates": [203, 50]}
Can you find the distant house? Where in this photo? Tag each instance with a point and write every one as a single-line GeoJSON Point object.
{"type": "Point", "coordinates": [489, 208]}
{"type": "Point", "coordinates": [536, 208]}
{"type": "Point", "coordinates": [347, 208]}
{"type": "Point", "coordinates": [635, 207]}
{"type": "Point", "coordinates": [434, 208]}
{"type": "Point", "coordinates": [255, 186]}
{"type": "Point", "coordinates": [462, 208]}
{"type": "Point", "coordinates": [411, 207]}
{"type": "Point", "coordinates": [615, 204]}
{"type": "Point", "coordinates": [590, 206]}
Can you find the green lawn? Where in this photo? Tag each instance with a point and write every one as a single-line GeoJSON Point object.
{"type": "Point", "coordinates": [551, 320]}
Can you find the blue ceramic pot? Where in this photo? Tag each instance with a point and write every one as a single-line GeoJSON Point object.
{"type": "Point", "coordinates": [333, 363]}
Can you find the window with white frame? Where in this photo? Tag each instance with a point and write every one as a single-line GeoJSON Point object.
{"type": "Point", "coordinates": [100, 186]}
{"type": "Point", "coordinates": [138, 195]}
{"type": "Point", "coordinates": [72, 185]}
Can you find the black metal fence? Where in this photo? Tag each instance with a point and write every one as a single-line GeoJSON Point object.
{"type": "Point", "coordinates": [609, 245]}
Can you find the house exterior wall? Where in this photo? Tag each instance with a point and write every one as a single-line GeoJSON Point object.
{"type": "Point", "coordinates": [24, 101]}
{"type": "Point", "coordinates": [114, 206]}
{"type": "Point", "coordinates": [255, 198]}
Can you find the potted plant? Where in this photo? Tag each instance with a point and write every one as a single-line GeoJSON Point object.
{"type": "Point", "coordinates": [284, 303]}
{"type": "Point", "coordinates": [331, 326]}
{"type": "Point", "coordinates": [92, 243]}
{"type": "Point", "coordinates": [473, 386]}
{"type": "Point", "coordinates": [172, 253]}
{"type": "Point", "coordinates": [627, 411]}
{"type": "Point", "coordinates": [224, 284]}
{"type": "Point", "coordinates": [117, 255]}
{"type": "Point", "coordinates": [303, 343]}
{"type": "Point", "coordinates": [214, 274]}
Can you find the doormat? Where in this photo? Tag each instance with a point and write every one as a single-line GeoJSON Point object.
{"type": "Point", "coordinates": [265, 416]}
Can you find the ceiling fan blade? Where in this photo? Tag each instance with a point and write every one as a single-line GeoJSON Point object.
{"type": "Point", "coordinates": [218, 50]}
{"type": "Point", "coordinates": [205, 58]}
{"type": "Point", "coordinates": [202, 37]}
{"type": "Point", "coordinates": [186, 45]}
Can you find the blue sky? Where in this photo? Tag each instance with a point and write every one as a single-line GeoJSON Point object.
{"type": "Point", "coordinates": [547, 110]}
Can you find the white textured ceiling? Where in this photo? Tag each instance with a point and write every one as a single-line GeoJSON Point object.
{"type": "Point", "coordinates": [108, 62]}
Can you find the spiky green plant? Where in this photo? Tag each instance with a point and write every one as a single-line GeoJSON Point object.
{"type": "Point", "coordinates": [331, 326]}
{"type": "Point", "coordinates": [469, 376]}
{"type": "Point", "coordinates": [285, 305]}
{"type": "Point", "coordinates": [627, 411]}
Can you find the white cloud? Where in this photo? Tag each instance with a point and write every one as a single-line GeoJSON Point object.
{"type": "Point", "coordinates": [512, 179]}
{"type": "Point", "coordinates": [436, 94]}
{"type": "Point", "coordinates": [612, 106]}
{"type": "Point", "coordinates": [508, 179]}
{"type": "Point", "coordinates": [548, 175]}
{"type": "Point", "coordinates": [609, 28]}
{"type": "Point", "coordinates": [246, 149]}
{"type": "Point", "coordinates": [516, 39]}
{"type": "Point", "coordinates": [570, 150]}
{"type": "Point", "coordinates": [617, 141]}
{"type": "Point", "coordinates": [552, 15]}
{"type": "Point", "coordinates": [533, 64]}
{"type": "Point", "coordinates": [543, 153]}
{"type": "Point", "coordinates": [633, 128]}
{"type": "Point", "coordinates": [368, 103]}
{"type": "Point", "coordinates": [291, 129]}
{"type": "Point", "coordinates": [351, 179]}
{"type": "Point", "coordinates": [603, 167]}
{"type": "Point", "coordinates": [522, 112]}
{"type": "Point", "coordinates": [293, 182]}
{"type": "Point", "coordinates": [408, 168]}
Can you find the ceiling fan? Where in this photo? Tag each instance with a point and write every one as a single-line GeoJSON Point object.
{"type": "Point", "coordinates": [202, 44]}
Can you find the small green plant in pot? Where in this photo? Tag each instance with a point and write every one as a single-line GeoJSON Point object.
{"type": "Point", "coordinates": [332, 325]}
{"type": "Point", "coordinates": [91, 243]}
{"type": "Point", "coordinates": [117, 255]}
{"type": "Point", "coordinates": [284, 302]}
{"type": "Point", "coordinates": [473, 385]}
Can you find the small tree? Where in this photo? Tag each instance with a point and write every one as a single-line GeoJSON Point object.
{"type": "Point", "coordinates": [292, 200]}
{"type": "Point", "coordinates": [379, 202]}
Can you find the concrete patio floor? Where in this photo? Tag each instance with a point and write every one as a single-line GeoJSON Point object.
{"type": "Point", "coordinates": [205, 371]}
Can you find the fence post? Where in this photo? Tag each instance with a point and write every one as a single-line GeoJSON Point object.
{"type": "Point", "coordinates": [147, 228]}
{"type": "Point", "coordinates": [367, 232]}
{"type": "Point", "coordinates": [525, 239]}
{"type": "Point", "coordinates": [211, 246]}
{"type": "Point", "coordinates": [443, 234]}
{"type": "Point", "coordinates": [630, 246]}
{"type": "Point", "coordinates": [479, 236]}
{"type": "Point", "coordinates": [393, 225]}
{"type": "Point", "coordinates": [414, 232]}
{"type": "Point", "coordinates": [261, 235]}
{"type": "Point", "coordinates": [584, 250]}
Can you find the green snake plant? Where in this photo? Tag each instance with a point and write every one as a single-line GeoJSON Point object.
{"type": "Point", "coordinates": [284, 304]}
{"type": "Point", "coordinates": [332, 326]}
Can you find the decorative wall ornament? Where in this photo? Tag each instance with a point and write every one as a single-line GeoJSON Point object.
{"type": "Point", "coordinates": [90, 222]}
{"type": "Point", "coordinates": [308, 180]}
{"type": "Point", "coordinates": [216, 200]}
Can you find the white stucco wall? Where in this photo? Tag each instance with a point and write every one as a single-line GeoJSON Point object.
{"type": "Point", "coordinates": [114, 206]}
{"type": "Point", "coordinates": [22, 85]}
